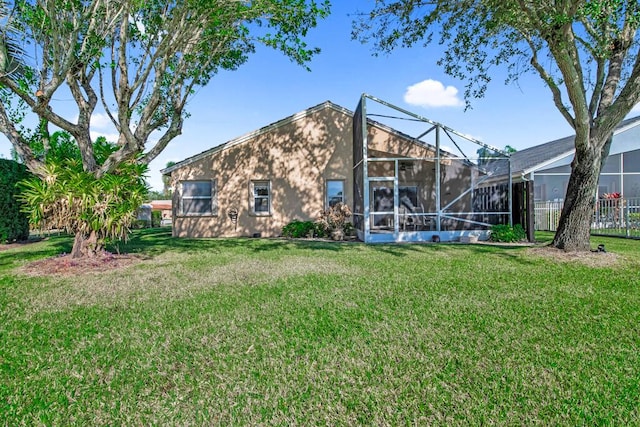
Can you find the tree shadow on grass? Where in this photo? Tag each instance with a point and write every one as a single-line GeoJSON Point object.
{"type": "Point", "coordinates": [151, 242]}
{"type": "Point", "coordinates": [34, 250]}
{"type": "Point", "coordinates": [156, 241]}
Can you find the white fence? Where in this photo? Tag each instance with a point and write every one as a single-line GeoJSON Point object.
{"type": "Point", "coordinates": [614, 217]}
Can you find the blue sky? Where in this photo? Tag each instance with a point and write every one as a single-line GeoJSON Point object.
{"type": "Point", "coordinates": [269, 87]}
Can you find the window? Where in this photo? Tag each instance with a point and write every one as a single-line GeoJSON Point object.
{"type": "Point", "coordinates": [611, 165]}
{"type": "Point", "coordinates": [261, 197]}
{"type": "Point", "coordinates": [335, 192]}
{"type": "Point", "coordinates": [198, 198]}
{"type": "Point", "coordinates": [631, 186]}
{"type": "Point", "coordinates": [631, 161]}
{"type": "Point", "coordinates": [552, 187]}
{"type": "Point", "coordinates": [609, 182]}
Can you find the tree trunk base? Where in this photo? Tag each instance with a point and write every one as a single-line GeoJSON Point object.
{"type": "Point", "coordinates": [85, 246]}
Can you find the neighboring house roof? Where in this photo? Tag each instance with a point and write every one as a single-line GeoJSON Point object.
{"type": "Point", "coordinates": [160, 204]}
{"type": "Point", "coordinates": [535, 158]}
{"type": "Point", "coordinates": [529, 159]}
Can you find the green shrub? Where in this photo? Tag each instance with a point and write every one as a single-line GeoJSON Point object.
{"type": "Point", "coordinates": [349, 229]}
{"type": "Point", "coordinates": [300, 229]}
{"type": "Point", "coordinates": [508, 234]}
{"type": "Point", "coordinates": [156, 219]}
{"type": "Point", "coordinates": [320, 230]}
{"type": "Point", "coordinates": [14, 223]}
{"type": "Point", "coordinates": [139, 224]}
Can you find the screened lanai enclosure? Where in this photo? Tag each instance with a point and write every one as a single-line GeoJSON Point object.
{"type": "Point", "coordinates": [418, 180]}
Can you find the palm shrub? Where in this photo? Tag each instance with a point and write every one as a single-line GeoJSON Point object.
{"type": "Point", "coordinates": [94, 209]}
{"type": "Point", "coordinates": [156, 219]}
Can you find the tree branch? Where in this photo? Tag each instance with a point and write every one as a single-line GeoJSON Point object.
{"type": "Point", "coordinates": [19, 144]}
{"type": "Point", "coordinates": [551, 84]}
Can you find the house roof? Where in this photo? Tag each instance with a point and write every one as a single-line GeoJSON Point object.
{"type": "Point", "coordinates": [284, 122]}
{"type": "Point", "coordinates": [534, 158]}
{"type": "Point", "coordinates": [160, 204]}
{"type": "Point", "coordinates": [261, 131]}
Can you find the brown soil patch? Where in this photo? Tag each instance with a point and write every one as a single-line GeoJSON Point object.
{"type": "Point", "coordinates": [590, 259]}
{"type": "Point", "coordinates": [64, 265]}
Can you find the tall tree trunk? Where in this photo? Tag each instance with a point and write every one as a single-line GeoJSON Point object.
{"type": "Point", "coordinates": [85, 246]}
{"type": "Point", "coordinates": [574, 228]}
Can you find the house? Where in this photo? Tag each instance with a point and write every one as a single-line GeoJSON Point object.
{"type": "Point", "coordinates": [164, 207]}
{"type": "Point", "coordinates": [542, 173]}
{"type": "Point", "coordinates": [299, 166]}
{"type": "Point", "coordinates": [548, 165]}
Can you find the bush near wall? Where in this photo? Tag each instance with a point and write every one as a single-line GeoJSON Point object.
{"type": "Point", "coordinates": [300, 229]}
{"type": "Point", "coordinates": [507, 234]}
{"type": "Point", "coordinates": [14, 224]}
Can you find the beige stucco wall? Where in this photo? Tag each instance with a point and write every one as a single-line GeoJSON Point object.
{"type": "Point", "coordinates": [297, 158]}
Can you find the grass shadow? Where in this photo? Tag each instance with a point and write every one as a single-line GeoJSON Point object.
{"type": "Point", "coordinates": [156, 241]}
{"type": "Point", "coordinates": [34, 250]}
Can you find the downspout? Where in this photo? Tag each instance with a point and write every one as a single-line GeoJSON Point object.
{"type": "Point", "coordinates": [365, 171]}
{"type": "Point", "coordinates": [510, 197]}
{"type": "Point", "coordinates": [437, 177]}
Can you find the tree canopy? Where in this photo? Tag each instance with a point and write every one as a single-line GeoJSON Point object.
{"type": "Point", "coordinates": [138, 61]}
{"type": "Point", "coordinates": [587, 52]}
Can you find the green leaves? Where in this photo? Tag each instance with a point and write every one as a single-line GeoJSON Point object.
{"type": "Point", "coordinates": [142, 60]}
{"type": "Point", "coordinates": [70, 199]}
{"type": "Point", "coordinates": [479, 35]}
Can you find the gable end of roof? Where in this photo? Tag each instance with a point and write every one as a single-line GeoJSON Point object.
{"type": "Point", "coordinates": [246, 137]}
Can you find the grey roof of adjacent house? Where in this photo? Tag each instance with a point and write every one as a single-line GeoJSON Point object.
{"type": "Point", "coordinates": [534, 158]}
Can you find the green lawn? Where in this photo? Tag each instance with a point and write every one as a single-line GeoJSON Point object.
{"type": "Point", "coordinates": [253, 331]}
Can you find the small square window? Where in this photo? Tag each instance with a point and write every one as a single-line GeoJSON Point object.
{"type": "Point", "coordinates": [261, 197]}
{"type": "Point", "coordinates": [335, 192]}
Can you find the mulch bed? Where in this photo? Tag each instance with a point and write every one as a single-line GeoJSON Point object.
{"type": "Point", "coordinates": [591, 259]}
{"type": "Point", "coordinates": [64, 265]}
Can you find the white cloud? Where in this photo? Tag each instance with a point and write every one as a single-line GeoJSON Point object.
{"type": "Point", "coordinates": [432, 93]}
{"type": "Point", "coordinates": [635, 109]}
{"type": "Point", "coordinates": [101, 121]}
{"type": "Point", "coordinates": [111, 137]}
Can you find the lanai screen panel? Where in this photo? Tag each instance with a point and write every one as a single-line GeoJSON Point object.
{"type": "Point", "coordinates": [358, 169]}
{"type": "Point", "coordinates": [424, 178]}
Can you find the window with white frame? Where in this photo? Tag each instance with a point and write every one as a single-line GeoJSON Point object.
{"type": "Point", "coordinates": [198, 198]}
{"type": "Point", "coordinates": [335, 192]}
{"type": "Point", "coordinates": [261, 197]}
